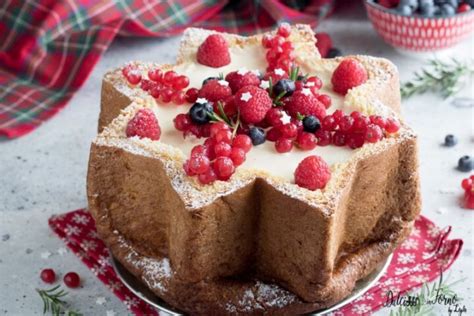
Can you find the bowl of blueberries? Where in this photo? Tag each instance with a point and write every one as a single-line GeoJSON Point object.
{"type": "Point", "coordinates": [422, 25]}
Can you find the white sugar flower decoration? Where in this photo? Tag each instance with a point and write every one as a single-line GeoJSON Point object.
{"type": "Point", "coordinates": [279, 72]}
{"type": "Point", "coordinates": [201, 100]}
{"type": "Point", "coordinates": [265, 84]}
{"type": "Point", "coordinates": [306, 91]}
{"type": "Point", "coordinates": [246, 96]}
{"type": "Point", "coordinates": [223, 83]}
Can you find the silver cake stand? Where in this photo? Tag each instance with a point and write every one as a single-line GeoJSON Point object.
{"type": "Point", "coordinates": [140, 290]}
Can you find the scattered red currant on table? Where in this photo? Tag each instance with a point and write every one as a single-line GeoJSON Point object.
{"type": "Point", "coordinates": [48, 275]}
{"type": "Point", "coordinates": [72, 280]}
{"type": "Point", "coordinates": [468, 187]}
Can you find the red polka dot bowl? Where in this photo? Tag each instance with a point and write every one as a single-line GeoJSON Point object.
{"type": "Point", "coordinates": [418, 33]}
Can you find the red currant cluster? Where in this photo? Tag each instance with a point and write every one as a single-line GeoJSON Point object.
{"type": "Point", "coordinates": [280, 54]}
{"type": "Point", "coordinates": [218, 157]}
{"type": "Point", "coordinates": [183, 123]}
{"type": "Point", "coordinates": [71, 279]}
{"type": "Point", "coordinates": [468, 186]}
{"type": "Point", "coordinates": [354, 130]}
{"type": "Point", "coordinates": [167, 85]}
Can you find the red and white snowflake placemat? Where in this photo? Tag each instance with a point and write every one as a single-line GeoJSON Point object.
{"type": "Point", "coordinates": [420, 259]}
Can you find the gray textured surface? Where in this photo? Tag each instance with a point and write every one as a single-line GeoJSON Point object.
{"type": "Point", "coordinates": [44, 172]}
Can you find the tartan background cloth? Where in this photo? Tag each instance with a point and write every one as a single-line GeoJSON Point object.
{"type": "Point", "coordinates": [420, 259]}
{"type": "Point", "coordinates": [49, 47]}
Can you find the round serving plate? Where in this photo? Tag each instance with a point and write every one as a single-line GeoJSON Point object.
{"type": "Point", "coordinates": [140, 290]}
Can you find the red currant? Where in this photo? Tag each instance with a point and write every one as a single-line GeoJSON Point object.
{"type": "Point", "coordinates": [464, 7]}
{"type": "Point", "coordinates": [187, 170]}
{"type": "Point", "coordinates": [237, 155]}
{"type": "Point", "coordinates": [355, 140]}
{"type": "Point", "coordinates": [166, 94]}
{"type": "Point", "coordinates": [72, 280]}
{"type": "Point", "coordinates": [48, 275]}
{"type": "Point", "coordinates": [355, 115]}
{"type": "Point", "coordinates": [378, 120]}
{"type": "Point", "coordinates": [324, 137]}
{"type": "Point", "coordinates": [314, 82]}
{"type": "Point", "coordinates": [392, 125]}
{"type": "Point", "coordinates": [277, 41]}
{"type": "Point", "coordinates": [466, 184]}
{"type": "Point", "coordinates": [169, 77]}
{"type": "Point", "coordinates": [306, 141]}
{"type": "Point", "coordinates": [339, 139]}
{"type": "Point", "coordinates": [199, 164]}
{"type": "Point", "coordinates": [199, 150]}
{"type": "Point", "coordinates": [223, 136]}
{"type": "Point", "coordinates": [373, 134]}
{"type": "Point", "coordinates": [223, 167]}
{"type": "Point", "coordinates": [191, 95]}
{"type": "Point", "coordinates": [283, 145]}
{"type": "Point", "coordinates": [182, 122]}
{"type": "Point", "coordinates": [207, 177]}
{"type": "Point", "coordinates": [287, 47]}
{"type": "Point", "coordinates": [360, 124]}
{"type": "Point", "coordinates": [218, 126]}
{"type": "Point", "coordinates": [284, 30]}
{"type": "Point", "coordinates": [273, 117]}
{"type": "Point", "coordinates": [146, 84]}
{"type": "Point", "coordinates": [325, 100]}
{"type": "Point", "coordinates": [267, 41]}
{"type": "Point", "coordinates": [155, 91]}
{"type": "Point", "coordinates": [180, 82]}
{"type": "Point", "coordinates": [469, 200]}
{"type": "Point", "coordinates": [346, 123]}
{"type": "Point", "coordinates": [134, 76]}
{"type": "Point", "coordinates": [338, 115]}
{"type": "Point", "coordinates": [243, 142]}
{"type": "Point", "coordinates": [178, 97]}
{"type": "Point", "coordinates": [329, 123]}
{"type": "Point", "coordinates": [155, 75]}
{"type": "Point", "coordinates": [222, 149]}
{"type": "Point", "coordinates": [273, 134]}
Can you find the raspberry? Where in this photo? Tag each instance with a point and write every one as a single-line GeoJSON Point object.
{"type": "Point", "coordinates": [144, 125]}
{"type": "Point", "coordinates": [306, 141]}
{"type": "Point", "coordinates": [312, 173]}
{"type": "Point", "coordinates": [207, 177]}
{"type": "Point", "coordinates": [191, 95]}
{"type": "Point", "coordinates": [373, 134]}
{"type": "Point", "coordinates": [222, 149]}
{"type": "Point", "coordinates": [274, 116]}
{"type": "Point", "coordinates": [392, 125]}
{"type": "Point", "coordinates": [182, 122]}
{"type": "Point", "coordinates": [237, 80]}
{"type": "Point", "coordinates": [214, 52]}
{"type": "Point", "coordinates": [304, 103]}
{"type": "Point", "coordinates": [243, 142]}
{"type": "Point", "coordinates": [214, 91]}
{"type": "Point", "coordinates": [323, 43]}
{"type": "Point", "coordinates": [349, 74]}
{"type": "Point", "coordinates": [237, 155]}
{"type": "Point", "coordinates": [253, 103]}
{"type": "Point", "coordinates": [223, 167]}
{"type": "Point", "coordinates": [198, 164]}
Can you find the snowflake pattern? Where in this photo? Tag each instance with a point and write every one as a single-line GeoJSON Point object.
{"type": "Point", "coordinates": [361, 309]}
{"type": "Point", "coordinates": [71, 230]}
{"type": "Point", "coordinates": [104, 260]}
{"type": "Point", "coordinates": [418, 278]}
{"type": "Point", "coordinates": [406, 258]}
{"type": "Point", "coordinates": [114, 285]}
{"type": "Point", "coordinates": [131, 302]}
{"type": "Point", "coordinates": [80, 219]}
{"type": "Point", "coordinates": [98, 270]}
{"type": "Point", "coordinates": [433, 231]}
{"type": "Point", "coordinates": [410, 244]}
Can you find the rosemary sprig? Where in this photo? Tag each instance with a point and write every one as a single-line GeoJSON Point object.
{"type": "Point", "coordinates": [425, 297]}
{"type": "Point", "coordinates": [52, 302]}
{"type": "Point", "coordinates": [446, 78]}
{"type": "Point", "coordinates": [222, 117]}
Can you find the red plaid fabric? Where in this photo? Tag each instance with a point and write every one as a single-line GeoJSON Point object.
{"type": "Point", "coordinates": [49, 47]}
{"type": "Point", "coordinates": [418, 260]}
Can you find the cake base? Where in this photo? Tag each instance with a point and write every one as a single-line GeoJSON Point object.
{"type": "Point", "coordinates": [141, 291]}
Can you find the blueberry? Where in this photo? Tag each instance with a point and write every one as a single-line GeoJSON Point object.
{"type": "Point", "coordinates": [405, 10]}
{"type": "Point", "coordinates": [413, 4]}
{"type": "Point", "coordinates": [450, 140]}
{"type": "Point", "coordinates": [427, 10]}
{"type": "Point", "coordinates": [424, 3]}
{"type": "Point", "coordinates": [311, 124]}
{"type": "Point", "coordinates": [334, 52]}
{"type": "Point", "coordinates": [199, 112]}
{"type": "Point", "coordinates": [465, 164]}
{"type": "Point", "coordinates": [301, 78]}
{"type": "Point", "coordinates": [209, 79]}
{"type": "Point", "coordinates": [257, 135]}
{"type": "Point", "coordinates": [470, 2]}
{"type": "Point", "coordinates": [284, 85]}
{"type": "Point", "coordinates": [448, 10]}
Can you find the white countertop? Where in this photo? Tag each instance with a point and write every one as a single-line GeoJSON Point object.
{"type": "Point", "coordinates": [44, 172]}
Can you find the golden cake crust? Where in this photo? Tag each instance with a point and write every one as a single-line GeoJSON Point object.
{"type": "Point", "coordinates": [255, 244]}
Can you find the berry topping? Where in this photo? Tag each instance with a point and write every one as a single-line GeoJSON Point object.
{"type": "Point", "coordinates": [283, 145]}
{"type": "Point", "coordinates": [72, 280]}
{"type": "Point", "coordinates": [450, 140]}
{"type": "Point", "coordinates": [48, 275]}
{"type": "Point", "coordinates": [312, 173]}
{"type": "Point", "coordinates": [144, 125]}
{"type": "Point", "coordinates": [465, 164]}
{"type": "Point", "coordinates": [132, 74]}
{"type": "Point", "coordinates": [284, 30]}
{"type": "Point", "coordinates": [155, 75]}
{"type": "Point", "coordinates": [311, 124]}
{"type": "Point", "coordinates": [253, 103]}
{"type": "Point", "coordinates": [214, 91]}
{"type": "Point", "coordinates": [200, 112]}
{"type": "Point", "coordinates": [468, 186]}
{"type": "Point", "coordinates": [304, 103]}
{"type": "Point", "coordinates": [240, 79]}
{"type": "Point", "coordinates": [284, 87]}
{"type": "Point", "coordinates": [392, 125]}
{"type": "Point", "coordinates": [373, 133]}
{"type": "Point", "coordinates": [214, 52]}
{"type": "Point", "coordinates": [349, 74]}
{"type": "Point", "coordinates": [223, 167]}
{"type": "Point", "coordinates": [207, 177]}
{"type": "Point", "coordinates": [257, 135]}
{"type": "Point", "coordinates": [323, 43]}
{"type": "Point", "coordinates": [306, 141]}
{"type": "Point", "coordinates": [192, 95]}
{"type": "Point", "coordinates": [333, 52]}
{"type": "Point", "coordinates": [198, 164]}
{"type": "Point", "coordinates": [222, 149]}
{"type": "Point", "coordinates": [182, 122]}
{"type": "Point", "coordinates": [243, 142]}
{"type": "Point", "coordinates": [237, 155]}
